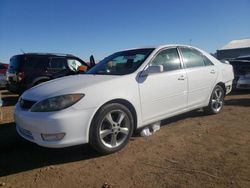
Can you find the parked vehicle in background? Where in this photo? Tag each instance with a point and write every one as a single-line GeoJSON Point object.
{"type": "Point", "coordinates": [245, 57]}
{"type": "Point", "coordinates": [241, 68]}
{"type": "Point", "coordinates": [3, 69]}
{"type": "Point", "coordinates": [127, 90]}
{"type": "Point", "coordinates": [30, 69]}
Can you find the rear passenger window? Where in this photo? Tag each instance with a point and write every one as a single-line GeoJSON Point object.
{"type": "Point", "coordinates": [58, 63]}
{"type": "Point", "coordinates": [192, 58]}
{"type": "Point", "coordinates": [36, 62]}
{"type": "Point", "coordinates": [169, 58]}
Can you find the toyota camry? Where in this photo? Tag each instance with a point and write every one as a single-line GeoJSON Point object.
{"type": "Point", "coordinates": [124, 92]}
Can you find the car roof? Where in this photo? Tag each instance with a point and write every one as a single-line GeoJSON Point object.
{"type": "Point", "coordinates": [47, 54]}
{"type": "Point", "coordinates": [161, 46]}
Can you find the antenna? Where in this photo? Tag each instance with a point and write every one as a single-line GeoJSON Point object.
{"type": "Point", "coordinates": [190, 41]}
{"type": "Point", "coordinates": [22, 50]}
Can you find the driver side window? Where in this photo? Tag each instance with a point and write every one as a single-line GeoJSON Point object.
{"type": "Point", "coordinates": [168, 58]}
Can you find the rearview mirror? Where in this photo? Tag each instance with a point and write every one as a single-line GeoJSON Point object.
{"type": "Point", "coordinates": [152, 69]}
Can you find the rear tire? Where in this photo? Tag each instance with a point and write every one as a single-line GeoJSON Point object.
{"type": "Point", "coordinates": [216, 102]}
{"type": "Point", "coordinates": [111, 128]}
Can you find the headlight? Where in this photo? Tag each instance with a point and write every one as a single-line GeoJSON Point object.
{"type": "Point", "coordinates": [56, 103]}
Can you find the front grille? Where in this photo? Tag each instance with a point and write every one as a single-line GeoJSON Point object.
{"type": "Point", "coordinates": [26, 104]}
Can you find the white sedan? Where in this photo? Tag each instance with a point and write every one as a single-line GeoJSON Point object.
{"type": "Point", "coordinates": [126, 91]}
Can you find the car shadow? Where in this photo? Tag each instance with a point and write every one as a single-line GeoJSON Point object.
{"type": "Point", "coordinates": [238, 102]}
{"type": "Point", "coordinates": [175, 119]}
{"type": "Point", "coordinates": [18, 155]}
{"type": "Point", "coordinates": [191, 114]}
{"type": "Point", "coordinates": [239, 92]}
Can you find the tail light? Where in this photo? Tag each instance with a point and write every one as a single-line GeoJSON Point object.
{"type": "Point", "coordinates": [20, 76]}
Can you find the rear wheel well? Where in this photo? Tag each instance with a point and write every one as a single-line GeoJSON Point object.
{"type": "Point", "coordinates": [223, 86]}
{"type": "Point", "coordinates": [125, 103]}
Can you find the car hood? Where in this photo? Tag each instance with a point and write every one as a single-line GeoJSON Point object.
{"type": "Point", "coordinates": [65, 85]}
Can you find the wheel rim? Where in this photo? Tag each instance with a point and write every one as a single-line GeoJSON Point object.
{"type": "Point", "coordinates": [217, 100]}
{"type": "Point", "coordinates": [114, 128]}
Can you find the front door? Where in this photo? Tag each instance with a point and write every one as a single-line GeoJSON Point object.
{"type": "Point", "coordinates": [164, 93]}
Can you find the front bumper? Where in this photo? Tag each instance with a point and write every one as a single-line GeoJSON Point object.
{"type": "Point", "coordinates": [74, 123]}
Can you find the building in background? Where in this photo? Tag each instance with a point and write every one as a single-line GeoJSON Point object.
{"type": "Point", "coordinates": [234, 49]}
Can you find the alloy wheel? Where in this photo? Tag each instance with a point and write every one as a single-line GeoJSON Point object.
{"type": "Point", "coordinates": [114, 128]}
{"type": "Point", "coordinates": [217, 99]}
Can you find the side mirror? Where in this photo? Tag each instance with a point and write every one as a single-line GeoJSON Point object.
{"type": "Point", "coordinates": [92, 61]}
{"type": "Point", "coordinates": [152, 69]}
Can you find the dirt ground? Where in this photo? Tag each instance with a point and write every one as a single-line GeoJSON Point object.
{"type": "Point", "coordinates": [191, 150]}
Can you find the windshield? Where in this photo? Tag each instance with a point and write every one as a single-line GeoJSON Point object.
{"type": "Point", "coordinates": [121, 63]}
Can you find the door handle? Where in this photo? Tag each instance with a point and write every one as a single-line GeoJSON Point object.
{"type": "Point", "coordinates": [212, 71]}
{"type": "Point", "coordinates": [182, 77]}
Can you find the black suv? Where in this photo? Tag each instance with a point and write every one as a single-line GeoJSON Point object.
{"type": "Point", "coordinates": [30, 69]}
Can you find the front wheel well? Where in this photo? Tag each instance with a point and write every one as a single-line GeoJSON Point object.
{"type": "Point", "coordinates": [125, 103]}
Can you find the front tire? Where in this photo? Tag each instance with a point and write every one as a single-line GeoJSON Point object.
{"type": "Point", "coordinates": [216, 102]}
{"type": "Point", "coordinates": [111, 128]}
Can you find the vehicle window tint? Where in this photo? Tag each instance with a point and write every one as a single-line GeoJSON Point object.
{"type": "Point", "coordinates": [207, 61]}
{"type": "Point", "coordinates": [58, 63]}
{"type": "Point", "coordinates": [169, 58]}
{"type": "Point", "coordinates": [121, 63]}
{"type": "Point", "coordinates": [73, 64]}
{"type": "Point", "coordinates": [15, 63]}
{"type": "Point", "coordinates": [124, 63]}
{"type": "Point", "coordinates": [36, 62]}
{"type": "Point", "coordinates": [192, 58]}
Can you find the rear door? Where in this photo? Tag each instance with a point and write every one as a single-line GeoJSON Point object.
{"type": "Point", "coordinates": [35, 65]}
{"type": "Point", "coordinates": [201, 75]}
